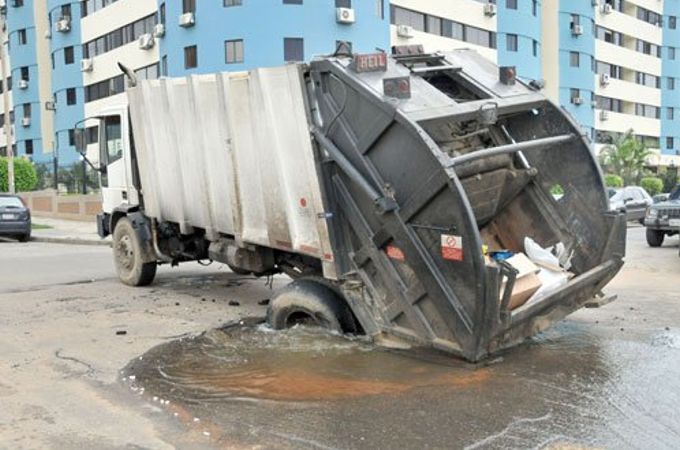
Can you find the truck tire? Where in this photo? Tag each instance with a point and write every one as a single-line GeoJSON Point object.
{"type": "Point", "coordinates": [655, 237]}
{"type": "Point", "coordinates": [307, 302]}
{"type": "Point", "coordinates": [127, 254]}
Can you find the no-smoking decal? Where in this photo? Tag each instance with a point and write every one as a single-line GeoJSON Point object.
{"type": "Point", "coordinates": [452, 247]}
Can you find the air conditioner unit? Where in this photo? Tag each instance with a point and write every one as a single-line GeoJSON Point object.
{"type": "Point", "coordinates": [344, 15]}
{"type": "Point", "coordinates": [405, 31]}
{"type": "Point", "coordinates": [187, 20]}
{"type": "Point", "coordinates": [604, 115]}
{"type": "Point", "coordinates": [146, 41]}
{"type": "Point", "coordinates": [64, 25]}
{"type": "Point", "coordinates": [25, 121]}
{"type": "Point", "coordinates": [23, 84]}
{"type": "Point", "coordinates": [159, 30]}
{"type": "Point", "coordinates": [50, 106]}
{"type": "Point", "coordinates": [605, 78]}
{"type": "Point", "coordinates": [48, 34]}
{"type": "Point", "coordinates": [86, 65]}
{"type": "Point", "coordinates": [489, 10]}
{"type": "Point", "coordinates": [607, 8]}
{"type": "Point", "coordinates": [577, 100]}
{"type": "Point", "coordinates": [577, 30]}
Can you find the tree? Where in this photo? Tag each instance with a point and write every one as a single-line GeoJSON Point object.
{"type": "Point", "coordinates": [25, 176]}
{"type": "Point", "coordinates": [652, 185]}
{"type": "Point", "coordinates": [626, 157]}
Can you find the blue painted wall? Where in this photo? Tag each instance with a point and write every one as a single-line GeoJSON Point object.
{"type": "Point", "coordinates": [19, 18]}
{"type": "Point", "coordinates": [581, 77]}
{"type": "Point", "coordinates": [527, 27]}
{"type": "Point", "coordinates": [263, 24]}
{"type": "Point", "coordinates": [670, 68]}
{"type": "Point", "coordinates": [66, 76]}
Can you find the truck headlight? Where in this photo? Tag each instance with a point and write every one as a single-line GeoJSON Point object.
{"type": "Point", "coordinates": [652, 213]}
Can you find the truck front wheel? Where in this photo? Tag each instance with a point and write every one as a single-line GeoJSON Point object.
{"type": "Point", "coordinates": [127, 253]}
{"type": "Point", "coordinates": [655, 237]}
{"type": "Point", "coordinates": [307, 302]}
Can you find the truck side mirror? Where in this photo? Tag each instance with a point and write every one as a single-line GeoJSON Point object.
{"type": "Point", "coordinates": [80, 140]}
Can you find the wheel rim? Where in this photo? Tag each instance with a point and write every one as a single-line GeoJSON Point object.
{"type": "Point", "coordinates": [125, 254]}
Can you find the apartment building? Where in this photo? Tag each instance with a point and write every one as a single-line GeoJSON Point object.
{"type": "Point", "coordinates": [610, 63]}
{"type": "Point", "coordinates": [64, 55]}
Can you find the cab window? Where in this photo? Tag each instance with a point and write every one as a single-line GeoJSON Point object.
{"type": "Point", "coordinates": [113, 139]}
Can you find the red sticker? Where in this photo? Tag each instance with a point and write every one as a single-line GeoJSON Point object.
{"type": "Point", "coordinates": [395, 253]}
{"type": "Point", "coordinates": [452, 247]}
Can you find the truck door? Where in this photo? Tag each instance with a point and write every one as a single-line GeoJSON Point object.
{"type": "Point", "coordinates": [116, 182]}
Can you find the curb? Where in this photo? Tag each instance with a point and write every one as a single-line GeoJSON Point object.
{"type": "Point", "coordinates": [71, 241]}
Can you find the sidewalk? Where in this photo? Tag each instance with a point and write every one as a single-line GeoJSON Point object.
{"type": "Point", "coordinates": [67, 232]}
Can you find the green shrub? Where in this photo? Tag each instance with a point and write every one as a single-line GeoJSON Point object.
{"type": "Point", "coordinates": [652, 185]}
{"type": "Point", "coordinates": [613, 181]}
{"type": "Point", "coordinates": [25, 176]}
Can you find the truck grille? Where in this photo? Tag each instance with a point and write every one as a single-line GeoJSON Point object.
{"type": "Point", "coordinates": [670, 213]}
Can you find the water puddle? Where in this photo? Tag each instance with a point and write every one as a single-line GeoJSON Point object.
{"type": "Point", "coordinates": [297, 365]}
{"type": "Point", "coordinates": [248, 386]}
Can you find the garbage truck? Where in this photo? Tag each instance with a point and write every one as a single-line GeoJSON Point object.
{"type": "Point", "coordinates": [380, 184]}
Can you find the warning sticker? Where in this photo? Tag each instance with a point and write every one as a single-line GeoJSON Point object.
{"type": "Point", "coordinates": [452, 247]}
{"type": "Point", "coordinates": [395, 253]}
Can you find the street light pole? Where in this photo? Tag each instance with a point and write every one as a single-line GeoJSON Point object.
{"type": "Point", "coordinates": [7, 125]}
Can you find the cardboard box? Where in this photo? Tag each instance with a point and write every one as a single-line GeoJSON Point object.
{"type": "Point", "coordinates": [524, 288]}
{"type": "Point", "coordinates": [526, 283]}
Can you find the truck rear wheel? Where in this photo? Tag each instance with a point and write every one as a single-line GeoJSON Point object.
{"type": "Point", "coordinates": [307, 302]}
{"type": "Point", "coordinates": [655, 237]}
{"type": "Point", "coordinates": [127, 254]}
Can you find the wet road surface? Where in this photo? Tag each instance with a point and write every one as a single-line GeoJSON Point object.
{"type": "Point", "coordinates": [608, 378]}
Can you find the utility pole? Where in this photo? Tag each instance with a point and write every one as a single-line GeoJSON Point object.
{"type": "Point", "coordinates": [6, 107]}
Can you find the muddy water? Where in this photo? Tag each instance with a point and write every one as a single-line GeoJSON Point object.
{"type": "Point", "coordinates": [247, 386]}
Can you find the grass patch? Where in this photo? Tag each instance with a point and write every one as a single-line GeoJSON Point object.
{"type": "Point", "coordinates": [37, 226]}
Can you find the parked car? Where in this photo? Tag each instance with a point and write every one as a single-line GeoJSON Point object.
{"type": "Point", "coordinates": [15, 218]}
{"type": "Point", "coordinates": [663, 219]}
{"type": "Point", "coordinates": [633, 200]}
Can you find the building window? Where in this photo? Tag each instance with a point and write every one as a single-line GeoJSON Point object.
{"type": "Point", "coordinates": [575, 21]}
{"type": "Point", "coordinates": [511, 43]}
{"type": "Point", "coordinates": [671, 52]}
{"type": "Point", "coordinates": [71, 137]}
{"type": "Point", "coordinates": [105, 88]}
{"type": "Point", "coordinates": [534, 8]}
{"type": "Point", "coordinates": [188, 6]}
{"type": "Point", "coordinates": [293, 49]}
{"type": "Point", "coordinates": [164, 65]}
{"type": "Point", "coordinates": [25, 74]}
{"type": "Point", "coordinates": [511, 4]}
{"type": "Point", "coordinates": [671, 83]}
{"type": "Point", "coordinates": [669, 142]}
{"type": "Point", "coordinates": [534, 47]}
{"type": "Point", "coordinates": [161, 14]}
{"type": "Point", "coordinates": [190, 57]}
{"type": "Point", "coordinates": [380, 8]}
{"type": "Point", "coordinates": [575, 95]}
{"type": "Point", "coordinates": [233, 2]}
{"type": "Point", "coordinates": [343, 3]}
{"type": "Point", "coordinates": [119, 37]}
{"type": "Point", "coordinates": [148, 73]}
{"type": "Point", "coordinates": [71, 96]}
{"type": "Point", "coordinates": [28, 145]}
{"type": "Point", "coordinates": [433, 25]}
{"type": "Point", "coordinates": [68, 55]}
{"type": "Point", "coordinates": [292, 2]}
{"type": "Point", "coordinates": [574, 59]}
{"type": "Point", "coordinates": [670, 113]}
{"type": "Point", "coordinates": [17, 3]}
{"type": "Point", "coordinates": [672, 22]}
{"type": "Point", "coordinates": [27, 110]}
{"type": "Point", "coordinates": [22, 37]}
{"type": "Point", "coordinates": [233, 51]}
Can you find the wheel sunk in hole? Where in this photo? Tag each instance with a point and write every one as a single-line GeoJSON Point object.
{"type": "Point", "coordinates": [311, 303]}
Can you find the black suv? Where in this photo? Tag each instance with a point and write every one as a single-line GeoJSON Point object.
{"type": "Point", "coordinates": [15, 218]}
{"type": "Point", "coordinates": [663, 219]}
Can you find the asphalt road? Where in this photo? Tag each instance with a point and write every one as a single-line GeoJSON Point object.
{"type": "Point", "coordinates": [88, 363]}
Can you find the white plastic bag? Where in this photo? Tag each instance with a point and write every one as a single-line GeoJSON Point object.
{"type": "Point", "coordinates": [541, 256]}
